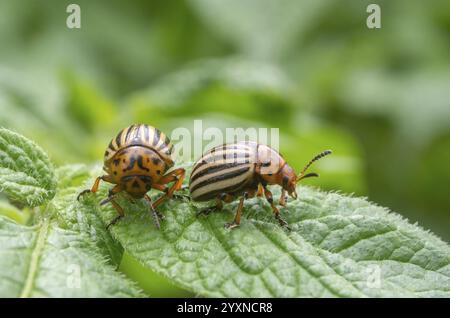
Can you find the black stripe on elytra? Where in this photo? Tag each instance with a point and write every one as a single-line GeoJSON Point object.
{"type": "Point", "coordinates": [231, 147]}
{"type": "Point", "coordinates": [156, 137]}
{"type": "Point", "coordinates": [166, 140]}
{"type": "Point", "coordinates": [147, 133]}
{"type": "Point", "coordinates": [138, 132]}
{"type": "Point", "coordinates": [224, 156]}
{"type": "Point", "coordinates": [118, 137]}
{"type": "Point", "coordinates": [128, 132]}
{"type": "Point", "coordinates": [221, 177]}
{"type": "Point", "coordinates": [214, 169]}
{"type": "Point", "coordinates": [230, 189]}
{"type": "Point", "coordinates": [111, 146]}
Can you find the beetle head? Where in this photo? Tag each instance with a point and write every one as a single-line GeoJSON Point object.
{"type": "Point", "coordinates": [290, 179]}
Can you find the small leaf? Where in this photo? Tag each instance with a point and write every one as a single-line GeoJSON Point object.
{"type": "Point", "coordinates": [47, 261]}
{"type": "Point", "coordinates": [339, 247]}
{"type": "Point", "coordinates": [26, 174]}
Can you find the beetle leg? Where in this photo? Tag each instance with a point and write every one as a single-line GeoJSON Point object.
{"type": "Point", "coordinates": [217, 207]}
{"type": "Point", "coordinates": [119, 211]}
{"type": "Point", "coordinates": [94, 186]}
{"type": "Point", "coordinates": [176, 175]}
{"type": "Point", "coordinates": [275, 210]}
{"type": "Point", "coordinates": [260, 192]}
{"type": "Point", "coordinates": [156, 215]}
{"type": "Point", "coordinates": [237, 217]}
{"type": "Point", "coordinates": [112, 193]}
{"type": "Point", "coordinates": [283, 198]}
{"type": "Point", "coordinates": [164, 188]}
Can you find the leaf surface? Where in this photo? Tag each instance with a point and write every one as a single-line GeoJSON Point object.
{"type": "Point", "coordinates": [26, 174]}
{"type": "Point", "coordinates": [339, 246]}
{"type": "Point", "coordinates": [47, 261]}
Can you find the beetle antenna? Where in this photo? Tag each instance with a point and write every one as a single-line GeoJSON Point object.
{"type": "Point", "coordinates": [302, 174]}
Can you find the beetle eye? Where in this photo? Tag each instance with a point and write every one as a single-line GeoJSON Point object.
{"type": "Point", "coordinates": [269, 174]}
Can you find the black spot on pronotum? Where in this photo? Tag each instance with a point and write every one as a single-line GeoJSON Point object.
{"type": "Point", "coordinates": [131, 164]}
{"type": "Point", "coordinates": [140, 163]}
{"type": "Point", "coordinates": [116, 162]}
{"type": "Point", "coordinates": [156, 161]}
{"type": "Point", "coordinates": [158, 171]}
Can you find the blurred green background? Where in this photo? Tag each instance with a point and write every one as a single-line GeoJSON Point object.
{"type": "Point", "coordinates": [379, 98]}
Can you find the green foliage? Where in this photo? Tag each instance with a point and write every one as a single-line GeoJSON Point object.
{"type": "Point", "coordinates": [378, 98]}
{"type": "Point", "coordinates": [26, 174]}
{"type": "Point", "coordinates": [13, 212]}
{"type": "Point", "coordinates": [339, 246]}
{"type": "Point", "coordinates": [47, 261]}
{"type": "Point", "coordinates": [336, 245]}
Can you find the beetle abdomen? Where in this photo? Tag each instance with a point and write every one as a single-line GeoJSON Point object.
{"type": "Point", "coordinates": [141, 135]}
{"type": "Point", "coordinates": [223, 169]}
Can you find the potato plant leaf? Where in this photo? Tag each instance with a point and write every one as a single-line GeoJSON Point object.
{"type": "Point", "coordinates": [82, 218]}
{"type": "Point", "coordinates": [339, 246]}
{"type": "Point", "coordinates": [47, 261]}
{"type": "Point", "coordinates": [26, 174]}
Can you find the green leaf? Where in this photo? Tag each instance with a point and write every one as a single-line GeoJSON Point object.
{"type": "Point", "coordinates": [13, 212]}
{"type": "Point", "coordinates": [339, 246]}
{"type": "Point", "coordinates": [218, 86]}
{"type": "Point", "coordinates": [401, 98]}
{"type": "Point", "coordinates": [26, 174]}
{"type": "Point", "coordinates": [47, 261]}
{"type": "Point", "coordinates": [259, 28]}
{"type": "Point", "coordinates": [82, 218]}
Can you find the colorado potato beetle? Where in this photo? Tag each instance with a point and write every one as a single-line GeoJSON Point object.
{"type": "Point", "coordinates": [244, 169]}
{"type": "Point", "coordinates": [136, 161]}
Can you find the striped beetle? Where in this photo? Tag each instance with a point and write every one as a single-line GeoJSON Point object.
{"type": "Point", "coordinates": [136, 161]}
{"type": "Point", "coordinates": [244, 169]}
